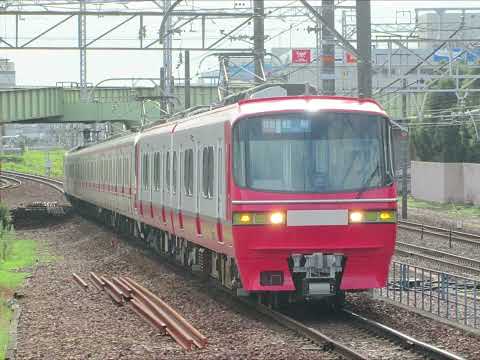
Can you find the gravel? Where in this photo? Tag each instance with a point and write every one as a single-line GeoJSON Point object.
{"type": "Point", "coordinates": [61, 321]}
{"type": "Point", "coordinates": [446, 337]}
{"type": "Point", "coordinates": [439, 243]}
{"type": "Point", "coordinates": [29, 192]}
{"type": "Point", "coordinates": [445, 220]}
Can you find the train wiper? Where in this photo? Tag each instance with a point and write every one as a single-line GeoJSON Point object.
{"type": "Point", "coordinates": [367, 182]}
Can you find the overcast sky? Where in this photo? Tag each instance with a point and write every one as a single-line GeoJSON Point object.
{"type": "Point", "coordinates": [42, 67]}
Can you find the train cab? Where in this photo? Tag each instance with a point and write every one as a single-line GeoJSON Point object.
{"type": "Point", "coordinates": [313, 195]}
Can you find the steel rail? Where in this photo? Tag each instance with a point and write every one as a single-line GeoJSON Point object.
{"type": "Point", "coordinates": [9, 182]}
{"type": "Point", "coordinates": [406, 340]}
{"type": "Point", "coordinates": [55, 184]}
{"type": "Point", "coordinates": [59, 182]}
{"type": "Point", "coordinates": [348, 351]}
{"type": "Point", "coordinates": [453, 235]}
{"type": "Point", "coordinates": [314, 335]}
{"type": "Point", "coordinates": [456, 262]}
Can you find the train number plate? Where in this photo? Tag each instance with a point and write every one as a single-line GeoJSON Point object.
{"type": "Point", "coordinates": [317, 217]}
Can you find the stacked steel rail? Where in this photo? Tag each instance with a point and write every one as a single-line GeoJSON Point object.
{"type": "Point", "coordinates": [149, 307]}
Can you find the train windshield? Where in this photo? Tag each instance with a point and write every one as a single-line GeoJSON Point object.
{"type": "Point", "coordinates": [313, 153]}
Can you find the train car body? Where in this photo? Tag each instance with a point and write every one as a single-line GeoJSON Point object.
{"type": "Point", "coordinates": [287, 195]}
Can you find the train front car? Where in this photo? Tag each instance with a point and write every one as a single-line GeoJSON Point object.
{"type": "Point", "coordinates": [313, 196]}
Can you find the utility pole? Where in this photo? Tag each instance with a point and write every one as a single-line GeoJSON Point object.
{"type": "Point", "coordinates": [259, 40]}
{"type": "Point", "coordinates": [187, 79]}
{"type": "Point", "coordinates": [364, 46]}
{"type": "Point", "coordinates": [328, 48]}
{"type": "Point", "coordinates": [163, 101]}
{"type": "Point", "coordinates": [167, 52]}
{"type": "Point", "coordinates": [405, 155]}
{"type": "Point", "coordinates": [82, 44]}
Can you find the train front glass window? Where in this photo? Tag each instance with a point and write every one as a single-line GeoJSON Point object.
{"type": "Point", "coordinates": [312, 153]}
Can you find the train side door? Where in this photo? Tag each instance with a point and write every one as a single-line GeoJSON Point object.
{"type": "Point", "coordinates": [220, 179]}
{"type": "Point", "coordinates": [197, 177]}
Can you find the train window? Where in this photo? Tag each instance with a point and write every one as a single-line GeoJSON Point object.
{"type": "Point", "coordinates": [167, 171]}
{"type": "Point", "coordinates": [211, 167]}
{"type": "Point", "coordinates": [174, 172]}
{"type": "Point", "coordinates": [160, 170]}
{"type": "Point", "coordinates": [155, 171]}
{"type": "Point", "coordinates": [328, 152]}
{"type": "Point", "coordinates": [220, 177]}
{"type": "Point", "coordinates": [207, 172]}
{"type": "Point", "coordinates": [188, 172]}
{"type": "Point", "coordinates": [146, 172]}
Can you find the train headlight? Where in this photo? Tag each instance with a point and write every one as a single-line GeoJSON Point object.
{"type": "Point", "coordinates": [260, 218]}
{"type": "Point", "coordinates": [277, 218]}
{"type": "Point", "coordinates": [356, 217]}
{"type": "Point", "coordinates": [373, 216]}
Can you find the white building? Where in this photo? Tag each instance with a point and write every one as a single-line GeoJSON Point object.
{"type": "Point", "coordinates": [7, 73]}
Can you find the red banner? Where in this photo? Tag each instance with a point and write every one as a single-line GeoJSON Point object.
{"type": "Point", "coordinates": [350, 58]}
{"type": "Point", "coordinates": [301, 56]}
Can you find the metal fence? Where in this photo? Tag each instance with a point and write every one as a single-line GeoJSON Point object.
{"type": "Point", "coordinates": [447, 296]}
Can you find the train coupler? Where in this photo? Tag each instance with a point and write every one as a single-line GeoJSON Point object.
{"type": "Point", "coordinates": [317, 275]}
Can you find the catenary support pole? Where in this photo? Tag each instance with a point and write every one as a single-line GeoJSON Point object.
{"type": "Point", "coordinates": [82, 45]}
{"type": "Point", "coordinates": [328, 48]}
{"type": "Point", "coordinates": [187, 79]}
{"type": "Point", "coordinates": [405, 156]}
{"type": "Point", "coordinates": [364, 47]}
{"type": "Point", "coordinates": [259, 39]}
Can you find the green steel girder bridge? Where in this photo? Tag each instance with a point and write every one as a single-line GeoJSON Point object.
{"type": "Point", "coordinates": [113, 104]}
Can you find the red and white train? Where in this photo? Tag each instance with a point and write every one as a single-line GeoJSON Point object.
{"type": "Point", "coordinates": [292, 196]}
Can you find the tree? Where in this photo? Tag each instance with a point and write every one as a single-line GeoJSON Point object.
{"type": "Point", "coordinates": [452, 143]}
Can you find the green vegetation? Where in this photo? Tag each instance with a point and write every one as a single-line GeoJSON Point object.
{"type": "Point", "coordinates": [454, 210]}
{"type": "Point", "coordinates": [5, 316]}
{"type": "Point", "coordinates": [15, 255]}
{"type": "Point", "coordinates": [448, 143]}
{"type": "Point", "coordinates": [34, 161]}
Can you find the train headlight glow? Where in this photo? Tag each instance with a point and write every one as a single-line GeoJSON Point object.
{"type": "Point", "coordinates": [277, 218]}
{"type": "Point", "coordinates": [372, 216]}
{"type": "Point", "coordinates": [260, 218]}
{"type": "Point", "coordinates": [386, 216]}
{"type": "Point", "coordinates": [245, 218]}
{"type": "Point", "coordinates": [356, 217]}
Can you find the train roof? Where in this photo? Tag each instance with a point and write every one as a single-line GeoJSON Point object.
{"type": "Point", "coordinates": [309, 103]}
{"type": "Point", "coordinates": [251, 107]}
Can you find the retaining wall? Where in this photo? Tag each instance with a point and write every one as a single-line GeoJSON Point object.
{"type": "Point", "coordinates": [446, 182]}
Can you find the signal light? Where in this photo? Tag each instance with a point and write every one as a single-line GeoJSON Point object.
{"type": "Point", "coordinates": [386, 215]}
{"type": "Point", "coordinates": [275, 218]}
{"type": "Point", "coordinates": [373, 216]}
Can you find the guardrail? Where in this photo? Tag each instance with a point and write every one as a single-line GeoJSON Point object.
{"type": "Point", "coordinates": [447, 296]}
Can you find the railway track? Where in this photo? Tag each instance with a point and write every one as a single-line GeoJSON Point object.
{"type": "Point", "coordinates": [447, 234]}
{"type": "Point", "coordinates": [53, 183]}
{"type": "Point", "coordinates": [356, 337]}
{"type": "Point", "coordinates": [349, 334]}
{"type": "Point", "coordinates": [8, 182]}
{"type": "Point", "coordinates": [444, 259]}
